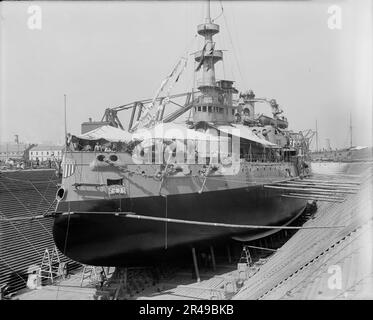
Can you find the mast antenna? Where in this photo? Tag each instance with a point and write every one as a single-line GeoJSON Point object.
{"type": "Point", "coordinates": [208, 15]}
{"type": "Point", "coordinates": [317, 138]}
{"type": "Point", "coordinates": [64, 96]}
{"type": "Point", "coordinates": [350, 130]}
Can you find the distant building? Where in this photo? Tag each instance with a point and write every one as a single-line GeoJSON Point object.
{"type": "Point", "coordinates": [45, 152]}
{"type": "Point", "coordinates": [17, 151]}
{"type": "Point", "coordinates": [91, 125]}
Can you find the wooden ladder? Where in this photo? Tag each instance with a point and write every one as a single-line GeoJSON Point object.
{"type": "Point", "coordinates": [245, 256]}
{"type": "Point", "coordinates": [88, 272]}
{"type": "Point", "coordinates": [50, 265]}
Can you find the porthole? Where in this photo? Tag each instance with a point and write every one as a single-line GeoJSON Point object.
{"type": "Point", "coordinates": [60, 194]}
{"type": "Point", "coordinates": [100, 157]}
{"type": "Point", "coordinates": [113, 158]}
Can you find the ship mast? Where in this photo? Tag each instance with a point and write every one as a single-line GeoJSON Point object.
{"type": "Point", "coordinates": [208, 56]}
{"type": "Point", "coordinates": [215, 103]}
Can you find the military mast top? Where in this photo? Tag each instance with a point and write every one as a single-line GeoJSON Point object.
{"type": "Point", "coordinates": [215, 104]}
{"type": "Point", "coordinates": [208, 56]}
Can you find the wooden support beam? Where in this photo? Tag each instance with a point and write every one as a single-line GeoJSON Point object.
{"type": "Point", "coordinates": [320, 186]}
{"type": "Point", "coordinates": [213, 258]}
{"type": "Point", "coordinates": [339, 174]}
{"type": "Point", "coordinates": [321, 195]}
{"type": "Point", "coordinates": [308, 189]}
{"type": "Point", "coordinates": [311, 198]}
{"type": "Point", "coordinates": [262, 248]}
{"type": "Point", "coordinates": [162, 113]}
{"type": "Point", "coordinates": [229, 254]}
{"type": "Point", "coordinates": [140, 111]}
{"type": "Point", "coordinates": [186, 286]}
{"type": "Point", "coordinates": [132, 116]}
{"type": "Point", "coordinates": [195, 263]}
{"type": "Point", "coordinates": [329, 181]}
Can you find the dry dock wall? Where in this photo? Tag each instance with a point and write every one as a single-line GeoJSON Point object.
{"type": "Point", "coordinates": [332, 263]}
{"type": "Point", "coordinates": [24, 194]}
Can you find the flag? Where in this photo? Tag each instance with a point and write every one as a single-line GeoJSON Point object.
{"type": "Point", "coordinates": [68, 167]}
{"type": "Point", "coordinates": [202, 57]}
{"type": "Point", "coordinates": [147, 119]}
{"type": "Point", "coordinates": [182, 70]}
{"type": "Point", "coordinates": [174, 70]}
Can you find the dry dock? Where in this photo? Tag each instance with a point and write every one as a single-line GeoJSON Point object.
{"type": "Point", "coordinates": [327, 263]}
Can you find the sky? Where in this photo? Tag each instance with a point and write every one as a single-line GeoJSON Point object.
{"type": "Point", "coordinates": [106, 54]}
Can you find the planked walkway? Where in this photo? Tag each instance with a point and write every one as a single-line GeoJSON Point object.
{"type": "Point", "coordinates": [68, 289]}
{"type": "Point", "coordinates": [177, 288]}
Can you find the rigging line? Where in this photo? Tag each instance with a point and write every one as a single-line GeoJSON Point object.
{"type": "Point", "coordinates": [233, 48]}
{"type": "Point", "coordinates": [227, 59]}
{"type": "Point", "coordinates": [67, 232]}
{"type": "Point", "coordinates": [34, 217]}
{"type": "Point", "coordinates": [13, 270]}
{"type": "Point", "coordinates": [46, 211]}
{"type": "Point", "coordinates": [221, 13]}
{"type": "Point", "coordinates": [26, 208]}
{"type": "Point", "coordinates": [239, 51]}
{"type": "Point", "coordinates": [32, 181]}
{"type": "Point", "coordinates": [22, 235]}
{"type": "Point", "coordinates": [42, 196]}
{"type": "Point", "coordinates": [30, 210]}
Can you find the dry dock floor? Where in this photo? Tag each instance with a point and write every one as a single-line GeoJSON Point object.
{"type": "Point", "coordinates": [68, 289]}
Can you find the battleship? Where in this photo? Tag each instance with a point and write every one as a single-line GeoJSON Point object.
{"type": "Point", "coordinates": [135, 196]}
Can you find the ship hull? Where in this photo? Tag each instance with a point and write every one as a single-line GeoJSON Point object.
{"type": "Point", "coordinates": [94, 235]}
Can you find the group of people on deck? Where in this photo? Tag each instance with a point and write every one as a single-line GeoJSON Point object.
{"type": "Point", "coordinates": [73, 143]}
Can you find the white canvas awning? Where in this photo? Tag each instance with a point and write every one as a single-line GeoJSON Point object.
{"type": "Point", "coordinates": [107, 133]}
{"type": "Point", "coordinates": [245, 132]}
{"type": "Point", "coordinates": [169, 131]}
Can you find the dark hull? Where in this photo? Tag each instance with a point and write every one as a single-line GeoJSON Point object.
{"type": "Point", "coordinates": [108, 240]}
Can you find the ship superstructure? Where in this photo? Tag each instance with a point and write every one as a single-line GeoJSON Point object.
{"type": "Point", "coordinates": [134, 195]}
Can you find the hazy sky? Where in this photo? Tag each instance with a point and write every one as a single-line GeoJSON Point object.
{"type": "Point", "coordinates": [105, 54]}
